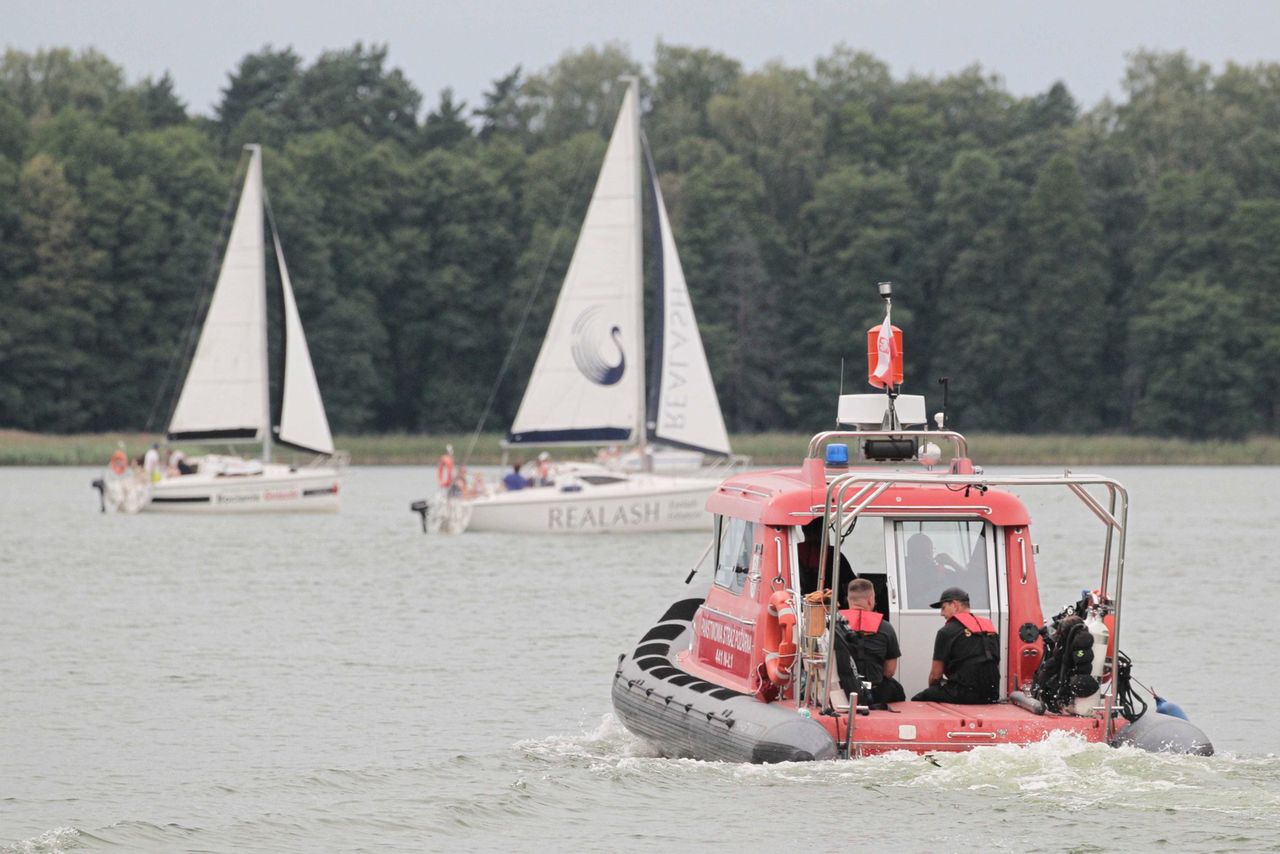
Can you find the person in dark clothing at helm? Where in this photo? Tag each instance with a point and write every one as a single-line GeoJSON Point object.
{"type": "Point", "coordinates": [966, 655]}
{"type": "Point", "coordinates": [809, 554]}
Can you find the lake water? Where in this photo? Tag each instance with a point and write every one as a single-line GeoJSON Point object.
{"type": "Point", "coordinates": [338, 683]}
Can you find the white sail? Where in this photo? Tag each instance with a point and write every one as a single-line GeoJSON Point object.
{"type": "Point", "coordinates": [225, 395]}
{"type": "Point", "coordinates": [302, 420]}
{"type": "Point", "coordinates": [587, 384]}
{"type": "Point", "coordinates": [688, 411]}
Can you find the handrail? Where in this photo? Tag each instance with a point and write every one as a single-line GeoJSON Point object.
{"type": "Point", "coordinates": [867, 481]}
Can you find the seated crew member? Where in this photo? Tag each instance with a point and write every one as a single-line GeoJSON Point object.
{"type": "Point", "coordinates": [928, 572]}
{"type": "Point", "coordinates": [872, 644]}
{"type": "Point", "coordinates": [514, 480]}
{"type": "Point", "coordinates": [808, 554]}
{"type": "Point", "coordinates": [966, 655]}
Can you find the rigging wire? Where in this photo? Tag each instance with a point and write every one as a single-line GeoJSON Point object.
{"type": "Point", "coordinates": [167, 387]}
{"type": "Point", "coordinates": [528, 310]}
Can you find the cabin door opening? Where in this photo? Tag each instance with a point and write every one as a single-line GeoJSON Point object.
{"type": "Point", "coordinates": [929, 556]}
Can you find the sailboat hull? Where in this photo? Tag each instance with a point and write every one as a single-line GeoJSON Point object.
{"type": "Point", "coordinates": [639, 503]}
{"type": "Point", "coordinates": [272, 489]}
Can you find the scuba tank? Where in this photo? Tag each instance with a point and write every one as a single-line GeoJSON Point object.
{"type": "Point", "coordinates": [1097, 626]}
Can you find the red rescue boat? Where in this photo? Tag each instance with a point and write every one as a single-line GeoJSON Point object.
{"type": "Point", "coordinates": [747, 672]}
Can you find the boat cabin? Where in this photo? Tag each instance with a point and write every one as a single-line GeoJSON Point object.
{"type": "Point", "coordinates": [763, 668]}
{"type": "Point", "coordinates": [899, 519]}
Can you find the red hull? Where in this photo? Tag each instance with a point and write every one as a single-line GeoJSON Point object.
{"type": "Point", "coordinates": [933, 727]}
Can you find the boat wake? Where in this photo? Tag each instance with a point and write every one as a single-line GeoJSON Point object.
{"type": "Point", "coordinates": [54, 841]}
{"type": "Point", "coordinates": [1063, 772]}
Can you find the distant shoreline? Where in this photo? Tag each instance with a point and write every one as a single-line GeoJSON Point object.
{"type": "Point", "coordinates": [18, 448]}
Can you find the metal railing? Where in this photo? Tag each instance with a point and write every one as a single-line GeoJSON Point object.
{"type": "Point", "coordinates": [843, 509]}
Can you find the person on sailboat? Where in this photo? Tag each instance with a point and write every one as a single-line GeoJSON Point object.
{"type": "Point", "coordinates": [545, 477]}
{"type": "Point", "coordinates": [514, 480]}
{"type": "Point", "coordinates": [151, 463]}
{"type": "Point", "coordinates": [178, 464]}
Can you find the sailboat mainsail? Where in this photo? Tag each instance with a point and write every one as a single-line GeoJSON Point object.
{"type": "Point", "coordinates": [588, 385]}
{"type": "Point", "coordinates": [226, 396]}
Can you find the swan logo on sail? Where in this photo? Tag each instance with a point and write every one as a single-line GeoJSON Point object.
{"type": "Point", "coordinates": [591, 336]}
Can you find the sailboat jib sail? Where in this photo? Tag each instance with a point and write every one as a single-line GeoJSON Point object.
{"type": "Point", "coordinates": [687, 414]}
{"type": "Point", "coordinates": [224, 396]}
{"type": "Point", "coordinates": [302, 420]}
{"type": "Point", "coordinates": [588, 380]}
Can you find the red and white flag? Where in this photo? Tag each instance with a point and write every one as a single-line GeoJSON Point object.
{"type": "Point", "coordinates": [884, 354]}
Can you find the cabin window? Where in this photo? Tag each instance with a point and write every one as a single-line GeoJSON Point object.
{"type": "Point", "coordinates": [733, 552]}
{"type": "Point", "coordinates": [935, 555]}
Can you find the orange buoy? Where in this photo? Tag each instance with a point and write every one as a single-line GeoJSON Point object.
{"type": "Point", "coordinates": [444, 471]}
{"type": "Point", "coordinates": [779, 638]}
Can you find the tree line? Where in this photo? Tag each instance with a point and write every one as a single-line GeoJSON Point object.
{"type": "Point", "coordinates": [1068, 270]}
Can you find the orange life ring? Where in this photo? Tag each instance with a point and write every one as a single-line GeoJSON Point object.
{"type": "Point", "coordinates": [119, 462]}
{"type": "Point", "coordinates": [444, 471]}
{"type": "Point", "coordinates": [779, 638]}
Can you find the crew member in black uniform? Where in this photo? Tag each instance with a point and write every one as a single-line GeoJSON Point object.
{"type": "Point", "coordinates": [872, 644]}
{"type": "Point", "coordinates": [966, 655]}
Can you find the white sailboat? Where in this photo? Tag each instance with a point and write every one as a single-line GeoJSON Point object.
{"type": "Point", "coordinates": [226, 397]}
{"type": "Point", "coordinates": [588, 383]}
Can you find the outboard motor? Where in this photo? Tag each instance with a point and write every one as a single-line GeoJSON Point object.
{"type": "Point", "coordinates": [421, 508]}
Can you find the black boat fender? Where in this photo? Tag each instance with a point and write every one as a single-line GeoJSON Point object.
{"type": "Point", "coordinates": [685, 715]}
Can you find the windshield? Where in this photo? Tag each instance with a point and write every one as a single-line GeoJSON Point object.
{"type": "Point", "coordinates": [733, 552]}
{"type": "Point", "coordinates": [935, 555]}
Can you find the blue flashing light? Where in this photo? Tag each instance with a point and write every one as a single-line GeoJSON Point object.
{"type": "Point", "coordinates": [837, 455]}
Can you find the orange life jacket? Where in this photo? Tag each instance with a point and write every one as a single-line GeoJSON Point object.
{"type": "Point", "coordinates": [975, 624]}
{"type": "Point", "coordinates": [864, 622]}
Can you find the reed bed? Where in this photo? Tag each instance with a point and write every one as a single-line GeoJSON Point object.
{"type": "Point", "coordinates": [19, 448]}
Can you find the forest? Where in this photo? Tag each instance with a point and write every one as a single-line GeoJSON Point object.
{"type": "Point", "coordinates": [1085, 271]}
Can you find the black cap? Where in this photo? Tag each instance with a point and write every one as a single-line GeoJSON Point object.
{"type": "Point", "coordinates": [951, 594]}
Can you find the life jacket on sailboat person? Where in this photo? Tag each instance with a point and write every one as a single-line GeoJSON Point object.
{"type": "Point", "coordinates": [444, 468]}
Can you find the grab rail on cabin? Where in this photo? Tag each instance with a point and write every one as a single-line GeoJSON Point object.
{"type": "Point", "coordinates": [959, 444]}
{"type": "Point", "coordinates": [868, 486]}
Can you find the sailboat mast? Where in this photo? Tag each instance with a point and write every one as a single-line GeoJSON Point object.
{"type": "Point", "coordinates": [255, 152]}
{"type": "Point", "coordinates": [641, 432]}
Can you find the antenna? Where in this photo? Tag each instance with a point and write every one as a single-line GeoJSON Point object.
{"type": "Point", "coordinates": [945, 382]}
{"type": "Point", "coordinates": [841, 392]}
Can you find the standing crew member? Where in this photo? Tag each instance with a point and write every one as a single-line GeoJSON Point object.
{"type": "Point", "coordinates": [966, 655]}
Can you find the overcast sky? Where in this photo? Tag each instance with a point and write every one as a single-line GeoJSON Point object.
{"type": "Point", "coordinates": [466, 44]}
